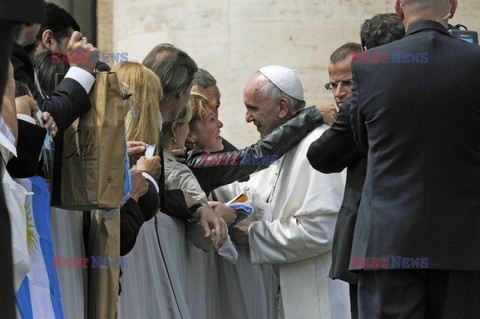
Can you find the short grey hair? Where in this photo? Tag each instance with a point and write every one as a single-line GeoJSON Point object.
{"type": "Point", "coordinates": [345, 51]}
{"type": "Point", "coordinates": [273, 93]}
{"type": "Point", "coordinates": [203, 78]}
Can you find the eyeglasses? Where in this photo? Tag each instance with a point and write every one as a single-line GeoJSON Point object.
{"type": "Point", "coordinates": [334, 85]}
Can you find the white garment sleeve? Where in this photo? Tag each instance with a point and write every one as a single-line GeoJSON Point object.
{"type": "Point", "coordinates": [291, 240]}
{"type": "Point", "coordinates": [151, 179]}
{"type": "Point", "coordinates": [305, 209]}
{"type": "Point", "coordinates": [26, 118]}
{"type": "Point", "coordinates": [85, 79]}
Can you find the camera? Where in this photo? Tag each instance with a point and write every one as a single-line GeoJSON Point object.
{"type": "Point", "coordinates": [465, 35]}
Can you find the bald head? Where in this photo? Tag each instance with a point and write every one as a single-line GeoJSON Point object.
{"type": "Point", "coordinates": [412, 11]}
{"type": "Point", "coordinates": [423, 4]}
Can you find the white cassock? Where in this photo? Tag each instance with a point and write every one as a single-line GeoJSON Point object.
{"type": "Point", "coordinates": [298, 238]}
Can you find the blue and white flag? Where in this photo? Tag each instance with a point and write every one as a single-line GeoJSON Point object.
{"type": "Point", "coordinates": [39, 294]}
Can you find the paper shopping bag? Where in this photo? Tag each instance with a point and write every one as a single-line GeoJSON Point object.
{"type": "Point", "coordinates": [90, 172]}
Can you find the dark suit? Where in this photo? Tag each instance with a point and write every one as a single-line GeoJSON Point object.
{"type": "Point", "coordinates": [67, 103]}
{"type": "Point", "coordinates": [29, 145]}
{"type": "Point", "coordinates": [334, 151]}
{"type": "Point", "coordinates": [419, 123]}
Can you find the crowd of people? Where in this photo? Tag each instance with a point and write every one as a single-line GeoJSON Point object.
{"type": "Point", "coordinates": [345, 199]}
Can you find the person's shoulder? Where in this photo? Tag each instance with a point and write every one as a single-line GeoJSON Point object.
{"type": "Point", "coordinates": [169, 162]}
{"type": "Point", "coordinates": [192, 154]}
{"type": "Point", "coordinates": [182, 168]}
{"type": "Point", "coordinates": [464, 47]}
{"type": "Point", "coordinates": [315, 134]}
{"type": "Point", "coordinates": [177, 168]}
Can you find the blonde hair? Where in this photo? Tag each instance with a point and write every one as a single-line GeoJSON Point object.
{"type": "Point", "coordinates": [146, 92]}
{"type": "Point", "coordinates": [199, 108]}
{"type": "Point", "coordinates": [199, 112]}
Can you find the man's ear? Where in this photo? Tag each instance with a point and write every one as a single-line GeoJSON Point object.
{"type": "Point", "coordinates": [47, 40]}
{"type": "Point", "coordinates": [453, 8]}
{"type": "Point", "coordinates": [399, 10]}
{"type": "Point", "coordinates": [284, 108]}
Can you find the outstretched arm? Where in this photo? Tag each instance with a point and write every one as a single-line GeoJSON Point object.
{"type": "Point", "coordinates": [336, 148]}
{"type": "Point", "coordinates": [222, 168]}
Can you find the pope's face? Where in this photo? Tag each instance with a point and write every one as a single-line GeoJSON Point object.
{"type": "Point", "coordinates": [260, 110]}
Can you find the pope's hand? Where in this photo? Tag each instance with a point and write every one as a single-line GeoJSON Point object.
{"type": "Point", "coordinates": [239, 233]}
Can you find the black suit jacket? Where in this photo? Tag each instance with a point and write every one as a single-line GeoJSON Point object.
{"type": "Point", "coordinates": [334, 151]}
{"type": "Point", "coordinates": [419, 123]}
{"type": "Point", "coordinates": [67, 103]}
{"type": "Point", "coordinates": [29, 145]}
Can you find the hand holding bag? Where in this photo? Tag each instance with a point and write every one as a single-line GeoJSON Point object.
{"type": "Point", "coordinates": [90, 174]}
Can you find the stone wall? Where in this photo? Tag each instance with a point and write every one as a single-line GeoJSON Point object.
{"type": "Point", "coordinates": [233, 38]}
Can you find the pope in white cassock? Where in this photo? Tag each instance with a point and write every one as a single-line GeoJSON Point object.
{"type": "Point", "coordinates": [303, 202]}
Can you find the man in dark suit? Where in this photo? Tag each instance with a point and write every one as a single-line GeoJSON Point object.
{"type": "Point", "coordinates": [336, 150]}
{"type": "Point", "coordinates": [69, 100]}
{"type": "Point", "coordinates": [421, 198]}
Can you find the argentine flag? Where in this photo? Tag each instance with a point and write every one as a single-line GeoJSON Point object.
{"type": "Point", "coordinates": [39, 293]}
